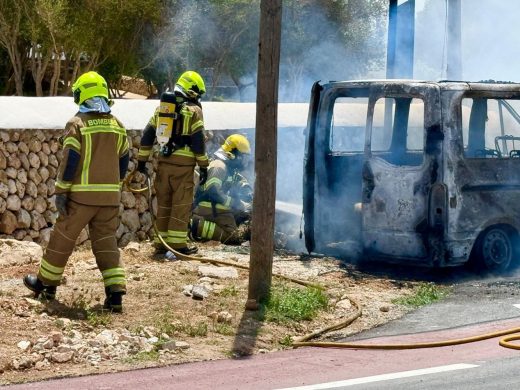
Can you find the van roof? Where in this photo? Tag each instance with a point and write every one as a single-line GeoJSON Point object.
{"type": "Point", "coordinates": [484, 85]}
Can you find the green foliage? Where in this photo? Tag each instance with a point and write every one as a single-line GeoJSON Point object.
{"type": "Point", "coordinates": [230, 291]}
{"type": "Point", "coordinates": [424, 294]}
{"type": "Point", "coordinates": [287, 304]}
{"type": "Point", "coordinates": [99, 318]}
{"type": "Point", "coordinates": [286, 341]}
{"type": "Point", "coordinates": [166, 323]}
{"type": "Point", "coordinates": [53, 41]}
{"type": "Point", "coordinates": [223, 329]}
{"type": "Point", "coordinates": [143, 357]}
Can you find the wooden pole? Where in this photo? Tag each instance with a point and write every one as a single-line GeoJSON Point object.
{"type": "Point", "coordinates": [262, 230]}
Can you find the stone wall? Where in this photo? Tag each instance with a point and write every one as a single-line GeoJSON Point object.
{"type": "Point", "coordinates": [29, 161]}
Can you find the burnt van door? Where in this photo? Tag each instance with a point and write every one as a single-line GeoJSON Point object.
{"type": "Point", "coordinates": [309, 173]}
{"type": "Point", "coordinates": [333, 165]}
{"type": "Point", "coordinates": [402, 163]}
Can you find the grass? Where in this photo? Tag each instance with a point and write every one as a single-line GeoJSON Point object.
{"type": "Point", "coordinates": [143, 357]}
{"type": "Point", "coordinates": [223, 329]}
{"type": "Point", "coordinates": [287, 304]}
{"type": "Point", "coordinates": [286, 341]}
{"type": "Point", "coordinates": [166, 323]}
{"type": "Point", "coordinates": [424, 294]}
{"type": "Point", "coordinates": [98, 318]}
{"type": "Point", "coordinates": [231, 291]}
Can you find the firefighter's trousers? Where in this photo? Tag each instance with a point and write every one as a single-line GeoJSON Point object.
{"type": "Point", "coordinates": [215, 224]}
{"type": "Point", "coordinates": [102, 222]}
{"type": "Point", "coordinates": [174, 189]}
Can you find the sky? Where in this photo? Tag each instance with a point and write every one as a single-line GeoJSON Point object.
{"type": "Point", "coordinates": [490, 40]}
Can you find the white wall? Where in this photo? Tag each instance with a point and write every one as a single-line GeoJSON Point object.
{"type": "Point", "coordinates": [53, 112]}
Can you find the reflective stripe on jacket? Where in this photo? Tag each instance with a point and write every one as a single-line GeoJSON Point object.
{"type": "Point", "coordinates": [95, 155]}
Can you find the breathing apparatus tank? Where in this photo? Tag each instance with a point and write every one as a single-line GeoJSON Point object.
{"type": "Point", "coordinates": [167, 117]}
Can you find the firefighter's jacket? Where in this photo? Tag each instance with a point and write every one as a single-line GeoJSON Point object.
{"type": "Point", "coordinates": [95, 159]}
{"type": "Point", "coordinates": [224, 188]}
{"type": "Point", "coordinates": [188, 135]}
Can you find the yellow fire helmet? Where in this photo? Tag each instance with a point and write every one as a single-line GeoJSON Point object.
{"type": "Point", "coordinates": [236, 142]}
{"type": "Point", "coordinates": [192, 84]}
{"type": "Point", "coordinates": [88, 85]}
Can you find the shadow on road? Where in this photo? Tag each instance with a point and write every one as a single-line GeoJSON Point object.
{"type": "Point", "coordinates": [247, 333]}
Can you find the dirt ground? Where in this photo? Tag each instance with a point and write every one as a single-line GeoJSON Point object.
{"type": "Point", "coordinates": [163, 325]}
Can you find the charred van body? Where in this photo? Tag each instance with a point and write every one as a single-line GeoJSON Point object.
{"type": "Point", "coordinates": [422, 173]}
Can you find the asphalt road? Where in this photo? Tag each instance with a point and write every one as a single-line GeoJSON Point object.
{"type": "Point", "coordinates": [477, 306]}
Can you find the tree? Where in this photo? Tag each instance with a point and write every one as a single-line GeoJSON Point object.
{"type": "Point", "coordinates": [11, 27]}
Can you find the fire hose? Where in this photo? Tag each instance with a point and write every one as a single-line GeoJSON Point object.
{"type": "Point", "coordinates": [303, 340]}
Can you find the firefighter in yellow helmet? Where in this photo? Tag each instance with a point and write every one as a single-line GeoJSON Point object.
{"type": "Point", "coordinates": [178, 127]}
{"type": "Point", "coordinates": [224, 201]}
{"type": "Point", "coordinates": [95, 160]}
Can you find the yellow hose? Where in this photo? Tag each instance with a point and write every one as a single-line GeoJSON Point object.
{"type": "Point", "coordinates": [182, 256]}
{"type": "Point", "coordinates": [302, 341]}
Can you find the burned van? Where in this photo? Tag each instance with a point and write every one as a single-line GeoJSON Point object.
{"type": "Point", "coordinates": [420, 173]}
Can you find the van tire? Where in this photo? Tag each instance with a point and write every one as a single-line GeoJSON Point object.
{"type": "Point", "coordinates": [495, 250]}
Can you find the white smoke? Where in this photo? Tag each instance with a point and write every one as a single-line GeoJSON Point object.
{"type": "Point", "coordinates": [490, 40]}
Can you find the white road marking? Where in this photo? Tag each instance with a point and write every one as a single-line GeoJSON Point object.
{"type": "Point", "coordinates": [517, 305]}
{"type": "Point", "coordinates": [384, 377]}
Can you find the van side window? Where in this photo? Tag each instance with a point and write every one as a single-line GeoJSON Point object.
{"type": "Point", "coordinates": [398, 131]}
{"type": "Point", "coordinates": [349, 116]}
{"type": "Point", "coordinates": [491, 127]}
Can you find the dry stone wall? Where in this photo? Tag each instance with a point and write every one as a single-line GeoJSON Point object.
{"type": "Point", "coordinates": [29, 161]}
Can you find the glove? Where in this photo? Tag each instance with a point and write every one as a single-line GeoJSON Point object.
{"type": "Point", "coordinates": [203, 176]}
{"type": "Point", "coordinates": [141, 167]}
{"type": "Point", "coordinates": [61, 203]}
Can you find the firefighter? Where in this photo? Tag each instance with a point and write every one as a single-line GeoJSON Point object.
{"type": "Point", "coordinates": [224, 201]}
{"type": "Point", "coordinates": [178, 128]}
{"type": "Point", "coordinates": [95, 160]}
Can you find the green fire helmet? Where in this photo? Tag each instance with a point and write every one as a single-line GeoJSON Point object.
{"type": "Point", "coordinates": [88, 85]}
{"type": "Point", "coordinates": [192, 84]}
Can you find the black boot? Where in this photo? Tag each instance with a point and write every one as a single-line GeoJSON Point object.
{"type": "Point", "coordinates": [193, 229]}
{"type": "Point", "coordinates": [113, 301]}
{"type": "Point", "coordinates": [40, 290]}
{"type": "Point", "coordinates": [187, 250]}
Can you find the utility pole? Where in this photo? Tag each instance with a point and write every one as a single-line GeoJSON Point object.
{"type": "Point", "coordinates": [262, 230]}
{"type": "Point", "coordinates": [454, 45]}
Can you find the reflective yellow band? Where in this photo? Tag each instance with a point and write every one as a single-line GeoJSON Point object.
{"type": "Point", "coordinates": [51, 268]}
{"type": "Point", "coordinates": [211, 231]}
{"type": "Point", "coordinates": [202, 157]}
{"type": "Point", "coordinates": [144, 153]}
{"type": "Point", "coordinates": [218, 205]}
{"type": "Point", "coordinates": [111, 272]}
{"type": "Point", "coordinates": [187, 114]}
{"type": "Point", "coordinates": [102, 129]}
{"type": "Point", "coordinates": [73, 143]}
{"type": "Point", "coordinates": [126, 146]}
{"type": "Point", "coordinates": [208, 229]}
{"type": "Point", "coordinates": [64, 185]}
{"type": "Point", "coordinates": [95, 187]}
{"type": "Point", "coordinates": [119, 143]}
{"type": "Point", "coordinates": [86, 161]}
{"type": "Point", "coordinates": [213, 181]}
{"type": "Point", "coordinates": [177, 233]}
{"type": "Point", "coordinates": [196, 125]}
{"type": "Point", "coordinates": [49, 276]}
{"type": "Point", "coordinates": [112, 281]}
{"type": "Point", "coordinates": [184, 152]}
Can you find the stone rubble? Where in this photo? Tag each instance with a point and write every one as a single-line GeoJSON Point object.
{"type": "Point", "coordinates": [92, 347]}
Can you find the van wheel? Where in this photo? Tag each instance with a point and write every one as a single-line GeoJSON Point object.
{"type": "Point", "coordinates": [495, 250]}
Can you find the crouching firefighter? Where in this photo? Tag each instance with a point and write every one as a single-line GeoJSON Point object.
{"type": "Point", "coordinates": [95, 160]}
{"type": "Point", "coordinates": [178, 126]}
{"type": "Point", "coordinates": [224, 201]}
